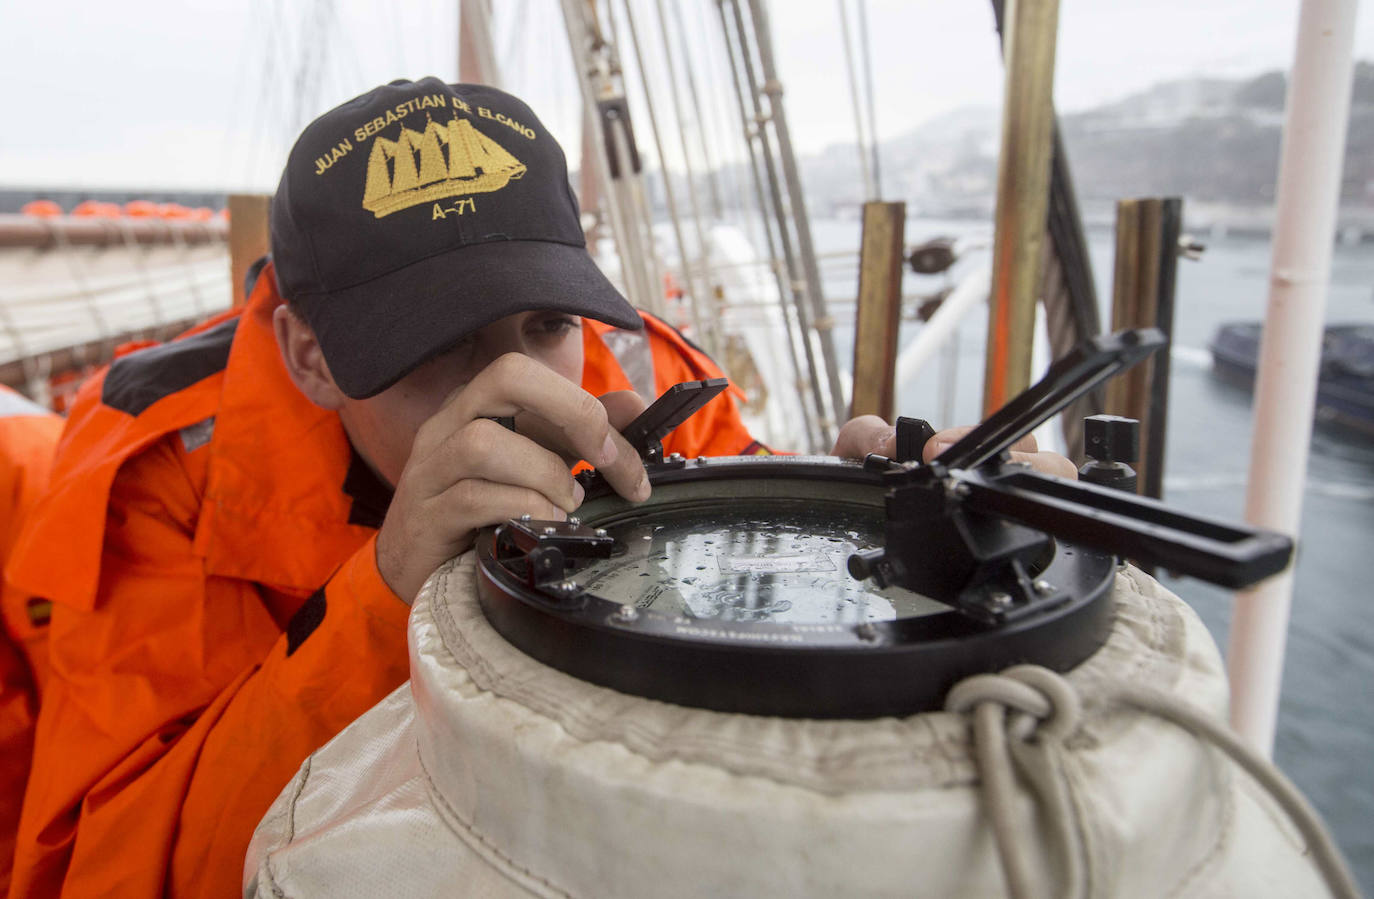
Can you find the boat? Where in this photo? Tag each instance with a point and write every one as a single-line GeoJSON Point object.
{"type": "Point", "coordinates": [818, 387]}
{"type": "Point", "coordinates": [1345, 385]}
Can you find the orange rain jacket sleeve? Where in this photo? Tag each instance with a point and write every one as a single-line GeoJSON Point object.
{"type": "Point", "coordinates": [218, 613]}
{"type": "Point", "coordinates": [217, 616]}
{"type": "Point", "coordinates": [28, 437]}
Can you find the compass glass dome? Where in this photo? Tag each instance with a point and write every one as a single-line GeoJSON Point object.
{"type": "Point", "coordinates": [749, 559]}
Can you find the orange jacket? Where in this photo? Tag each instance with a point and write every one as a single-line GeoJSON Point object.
{"type": "Point", "coordinates": [714, 431]}
{"type": "Point", "coordinates": [209, 545]}
{"type": "Point", "coordinates": [28, 437]}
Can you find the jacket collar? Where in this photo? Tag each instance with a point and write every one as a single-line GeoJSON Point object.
{"type": "Point", "coordinates": [275, 510]}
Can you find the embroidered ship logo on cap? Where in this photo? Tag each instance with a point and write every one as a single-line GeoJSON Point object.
{"type": "Point", "coordinates": [413, 168]}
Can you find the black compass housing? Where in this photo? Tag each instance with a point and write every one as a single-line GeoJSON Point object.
{"type": "Point", "coordinates": [807, 669]}
{"type": "Point", "coordinates": [1002, 565]}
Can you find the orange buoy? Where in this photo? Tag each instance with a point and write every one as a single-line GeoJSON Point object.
{"type": "Point", "coordinates": [97, 209]}
{"type": "Point", "coordinates": [41, 209]}
{"type": "Point", "coordinates": [141, 209]}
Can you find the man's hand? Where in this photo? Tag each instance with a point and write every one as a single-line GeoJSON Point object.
{"type": "Point", "coordinates": [466, 471]}
{"type": "Point", "coordinates": [870, 434]}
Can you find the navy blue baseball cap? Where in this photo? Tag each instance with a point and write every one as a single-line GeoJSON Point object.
{"type": "Point", "coordinates": [420, 212]}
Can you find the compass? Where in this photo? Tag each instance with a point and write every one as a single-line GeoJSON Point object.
{"type": "Point", "coordinates": [809, 586]}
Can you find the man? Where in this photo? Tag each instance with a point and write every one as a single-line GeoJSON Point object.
{"type": "Point", "coordinates": [240, 518]}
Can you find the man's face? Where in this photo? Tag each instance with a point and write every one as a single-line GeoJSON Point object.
{"type": "Point", "coordinates": [382, 427]}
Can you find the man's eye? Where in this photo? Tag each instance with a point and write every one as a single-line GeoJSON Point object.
{"type": "Point", "coordinates": [558, 325]}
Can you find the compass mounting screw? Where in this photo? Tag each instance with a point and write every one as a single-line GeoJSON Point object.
{"type": "Point", "coordinates": [526, 517]}
{"type": "Point", "coordinates": [701, 460]}
{"type": "Point", "coordinates": [627, 613]}
{"type": "Point", "coordinates": [1000, 601]}
{"type": "Point", "coordinates": [601, 532]}
{"type": "Point", "coordinates": [574, 521]}
{"type": "Point", "coordinates": [866, 631]}
{"type": "Point", "coordinates": [956, 490]}
{"type": "Point", "coordinates": [1043, 587]}
{"type": "Point", "coordinates": [549, 532]}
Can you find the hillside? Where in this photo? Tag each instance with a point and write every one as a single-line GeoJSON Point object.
{"type": "Point", "coordinates": [1214, 141]}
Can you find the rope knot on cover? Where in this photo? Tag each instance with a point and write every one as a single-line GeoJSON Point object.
{"type": "Point", "coordinates": [1020, 720]}
{"type": "Point", "coordinates": [1043, 704]}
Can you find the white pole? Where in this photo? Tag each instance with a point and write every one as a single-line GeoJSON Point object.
{"type": "Point", "coordinates": [1290, 350]}
{"type": "Point", "coordinates": [971, 292]}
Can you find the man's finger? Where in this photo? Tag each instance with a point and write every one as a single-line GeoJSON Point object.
{"type": "Point", "coordinates": [625, 472]}
{"type": "Point", "coordinates": [486, 450]}
{"type": "Point", "coordinates": [476, 504]}
{"type": "Point", "coordinates": [630, 481]}
{"type": "Point", "coordinates": [946, 438]}
{"type": "Point", "coordinates": [863, 435]}
{"type": "Point", "coordinates": [453, 517]}
{"type": "Point", "coordinates": [622, 407]}
{"type": "Point", "coordinates": [515, 384]}
{"type": "Point", "coordinates": [1048, 463]}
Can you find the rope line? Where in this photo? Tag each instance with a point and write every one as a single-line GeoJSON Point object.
{"type": "Point", "coordinates": [1022, 717]}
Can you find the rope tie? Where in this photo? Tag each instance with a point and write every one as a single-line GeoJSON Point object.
{"type": "Point", "coordinates": [1023, 716]}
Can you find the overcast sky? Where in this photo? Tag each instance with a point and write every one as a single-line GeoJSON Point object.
{"type": "Point", "coordinates": [209, 93]}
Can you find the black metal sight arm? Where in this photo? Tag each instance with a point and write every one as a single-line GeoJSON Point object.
{"type": "Point", "coordinates": [970, 528]}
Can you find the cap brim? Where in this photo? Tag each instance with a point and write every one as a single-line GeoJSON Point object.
{"type": "Point", "coordinates": [374, 334]}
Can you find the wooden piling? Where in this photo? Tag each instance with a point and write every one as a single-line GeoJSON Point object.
{"type": "Point", "coordinates": [1023, 181]}
{"type": "Point", "coordinates": [1146, 262]}
{"type": "Point", "coordinates": [879, 311]}
{"type": "Point", "coordinates": [248, 237]}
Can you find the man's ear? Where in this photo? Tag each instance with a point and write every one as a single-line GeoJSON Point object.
{"type": "Point", "coordinates": [304, 360]}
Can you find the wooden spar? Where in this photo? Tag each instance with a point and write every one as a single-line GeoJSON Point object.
{"type": "Point", "coordinates": [1142, 296]}
{"type": "Point", "coordinates": [878, 313]}
{"type": "Point", "coordinates": [1069, 293]}
{"type": "Point", "coordinates": [1023, 180]}
{"type": "Point", "coordinates": [1134, 283]}
{"type": "Point", "coordinates": [1153, 441]}
{"type": "Point", "coordinates": [248, 240]}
